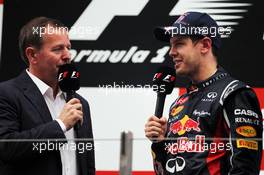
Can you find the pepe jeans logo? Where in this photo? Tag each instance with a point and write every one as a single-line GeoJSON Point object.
{"type": "Point", "coordinates": [201, 113]}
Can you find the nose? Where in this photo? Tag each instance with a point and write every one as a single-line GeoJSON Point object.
{"type": "Point", "coordinates": [66, 56]}
{"type": "Point", "coordinates": [173, 52]}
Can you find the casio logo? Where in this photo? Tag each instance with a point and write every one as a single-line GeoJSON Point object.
{"type": "Point", "coordinates": [245, 112]}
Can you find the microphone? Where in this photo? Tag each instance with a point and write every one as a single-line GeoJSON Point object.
{"type": "Point", "coordinates": [163, 80]}
{"type": "Point", "coordinates": [69, 82]}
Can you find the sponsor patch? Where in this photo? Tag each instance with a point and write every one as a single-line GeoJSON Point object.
{"type": "Point", "coordinates": [183, 125]}
{"type": "Point", "coordinates": [182, 100]}
{"type": "Point", "coordinates": [184, 144]}
{"type": "Point", "coordinates": [211, 96]}
{"type": "Point", "coordinates": [229, 90]}
{"type": "Point", "coordinates": [201, 113]}
{"type": "Point", "coordinates": [249, 144]}
{"type": "Point", "coordinates": [176, 110]}
{"type": "Point", "coordinates": [247, 131]}
{"type": "Point", "coordinates": [175, 164]}
{"type": "Point", "coordinates": [245, 112]}
{"type": "Point", "coordinates": [251, 121]}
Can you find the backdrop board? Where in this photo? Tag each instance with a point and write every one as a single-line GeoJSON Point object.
{"type": "Point", "coordinates": [113, 40]}
{"type": "Point", "coordinates": [114, 47]}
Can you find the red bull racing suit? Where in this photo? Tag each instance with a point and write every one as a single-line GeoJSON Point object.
{"type": "Point", "coordinates": [213, 129]}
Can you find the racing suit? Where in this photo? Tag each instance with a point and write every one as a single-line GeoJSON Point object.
{"type": "Point", "coordinates": [213, 129]}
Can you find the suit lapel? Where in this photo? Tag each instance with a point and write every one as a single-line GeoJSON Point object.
{"type": "Point", "coordinates": [33, 94]}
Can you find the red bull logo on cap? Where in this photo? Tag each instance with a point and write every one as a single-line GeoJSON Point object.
{"type": "Point", "coordinates": [183, 125]}
{"type": "Point", "coordinates": [181, 18]}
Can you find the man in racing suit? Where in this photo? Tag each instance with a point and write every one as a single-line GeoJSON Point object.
{"type": "Point", "coordinates": [215, 128]}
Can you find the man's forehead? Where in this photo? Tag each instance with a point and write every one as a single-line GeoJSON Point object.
{"type": "Point", "coordinates": [50, 32]}
{"type": "Point", "coordinates": [56, 38]}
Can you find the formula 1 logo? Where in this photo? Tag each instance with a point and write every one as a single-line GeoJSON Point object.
{"type": "Point", "coordinates": [99, 14]}
{"type": "Point", "coordinates": [65, 74]}
{"type": "Point", "coordinates": [168, 78]}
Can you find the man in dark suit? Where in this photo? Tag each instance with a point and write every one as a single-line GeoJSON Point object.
{"type": "Point", "coordinates": [33, 111]}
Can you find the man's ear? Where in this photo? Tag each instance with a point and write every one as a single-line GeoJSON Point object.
{"type": "Point", "coordinates": [206, 45]}
{"type": "Point", "coordinates": [31, 54]}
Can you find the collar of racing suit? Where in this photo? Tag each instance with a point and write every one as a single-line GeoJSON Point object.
{"type": "Point", "coordinates": [220, 73]}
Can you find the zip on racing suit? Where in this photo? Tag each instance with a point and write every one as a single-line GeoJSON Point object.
{"type": "Point", "coordinates": [215, 128]}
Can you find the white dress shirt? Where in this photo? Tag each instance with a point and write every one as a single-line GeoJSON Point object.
{"type": "Point", "coordinates": [55, 105]}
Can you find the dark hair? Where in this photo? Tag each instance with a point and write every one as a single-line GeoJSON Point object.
{"type": "Point", "coordinates": [29, 34]}
{"type": "Point", "coordinates": [196, 38]}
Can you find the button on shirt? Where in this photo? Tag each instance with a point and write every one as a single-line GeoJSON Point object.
{"type": "Point", "coordinates": [55, 105]}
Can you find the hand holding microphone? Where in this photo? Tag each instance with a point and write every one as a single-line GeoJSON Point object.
{"type": "Point", "coordinates": [71, 114]}
{"type": "Point", "coordinates": [69, 82]}
{"type": "Point", "coordinates": [156, 126]}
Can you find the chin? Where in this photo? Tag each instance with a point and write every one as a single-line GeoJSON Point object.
{"type": "Point", "coordinates": [178, 71]}
{"type": "Point", "coordinates": [181, 73]}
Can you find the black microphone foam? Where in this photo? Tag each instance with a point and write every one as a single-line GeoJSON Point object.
{"type": "Point", "coordinates": [68, 78]}
{"type": "Point", "coordinates": [163, 81]}
{"type": "Point", "coordinates": [69, 82]}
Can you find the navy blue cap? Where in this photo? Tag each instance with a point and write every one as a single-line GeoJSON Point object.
{"type": "Point", "coordinates": [191, 23]}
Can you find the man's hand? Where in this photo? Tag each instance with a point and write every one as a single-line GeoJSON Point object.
{"type": "Point", "coordinates": [71, 113]}
{"type": "Point", "coordinates": [155, 128]}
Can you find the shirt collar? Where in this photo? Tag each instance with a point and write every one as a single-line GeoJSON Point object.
{"type": "Point", "coordinates": [42, 86]}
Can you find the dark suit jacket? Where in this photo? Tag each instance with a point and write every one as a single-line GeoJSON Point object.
{"type": "Point", "coordinates": [25, 115]}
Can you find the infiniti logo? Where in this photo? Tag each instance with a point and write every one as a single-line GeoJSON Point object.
{"type": "Point", "coordinates": [212, 95]}
{"type": "Point", "coordinates": [175, 165]}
